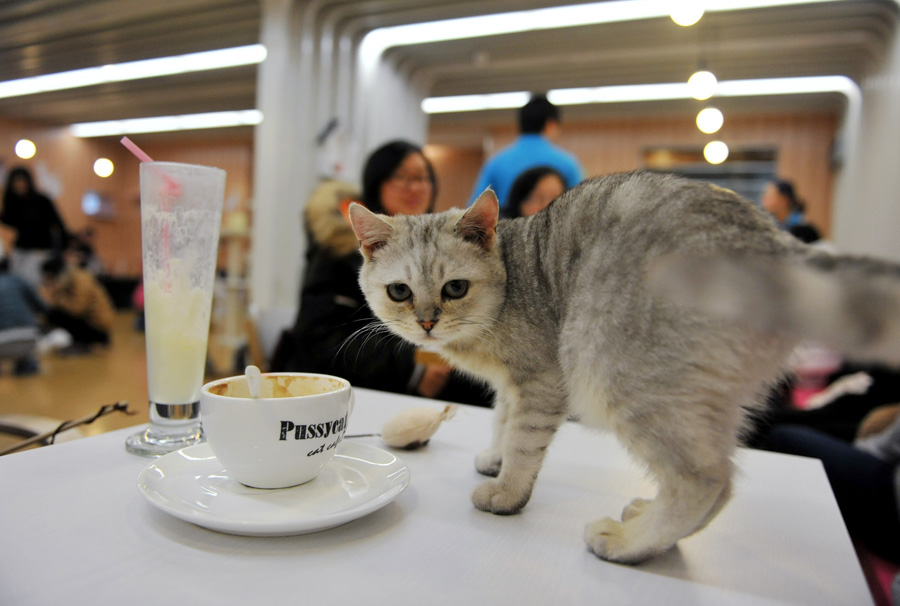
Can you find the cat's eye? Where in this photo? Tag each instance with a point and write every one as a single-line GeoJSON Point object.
{"type": "Point", "coordinates": [456, 289]}
{"type": "Point", "coordinates": [398, 292]}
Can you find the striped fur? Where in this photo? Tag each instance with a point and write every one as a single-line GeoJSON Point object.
{"type": "Point", "coordinates": [652, 306]}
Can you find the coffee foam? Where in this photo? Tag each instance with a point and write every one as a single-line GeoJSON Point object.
{"type": "Point", "coordinates": [277, 386]}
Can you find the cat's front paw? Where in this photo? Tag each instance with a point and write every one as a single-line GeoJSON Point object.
{"type": "Point", "coordinates": [487, 462]}
{"type": "Point", "coordinates": [491, 496]}
{"type": "Point", "coordinates": [607, 538]}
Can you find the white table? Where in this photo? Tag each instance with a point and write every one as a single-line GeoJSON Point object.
{"type": "Point", "coordinates": [75, 529]}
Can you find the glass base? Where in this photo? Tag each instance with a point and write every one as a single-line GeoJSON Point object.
{"type": "Point", "coordinates": [151, 443]}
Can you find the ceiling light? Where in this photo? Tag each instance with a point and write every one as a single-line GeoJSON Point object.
{"type": "Point", "coordinates": [158, 124]}
{"type": "Point", "coordinates": [103, 167]}
{"type": "Point", "coordinates": [702, 84]}
{"type": "Point", "coordinates": [686, 13]}
{"type": "Point", "coordinates": [135, 70]}
{"type": "Point", "coordinates": [465, 103]}
{"type": "Point", "coordinates": [646, 92]}
{"type": "Point", "coordinates": [715, 152]}
{"type": "Point", "coordinates": [619, 94]}
{"type": "Point", "coordinates": [787, 86]}
{"type": "Point", "coordinates": [710, 120]}
{"type": "Point", "coordinates": [612, 11]}
{"type": "Point", "coordinates": [25, 149]}
{"type": "Point", "coordinates": [507, 23]}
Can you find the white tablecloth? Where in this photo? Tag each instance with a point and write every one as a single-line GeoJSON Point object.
{"type": "Point", "coordinates": [75, 529]}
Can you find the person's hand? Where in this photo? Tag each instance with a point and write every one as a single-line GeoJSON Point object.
{"type": "Point", "coordinates": [434, 379]}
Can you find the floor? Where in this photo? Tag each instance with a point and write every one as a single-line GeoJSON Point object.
{"type": "Point", "coordinates": [73, 387]}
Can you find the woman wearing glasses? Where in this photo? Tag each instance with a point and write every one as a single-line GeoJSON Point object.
{"type": "Point", "coordinates": [336, 332]}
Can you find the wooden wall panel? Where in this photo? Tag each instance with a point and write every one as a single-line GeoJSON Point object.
{"type": "Point", "coordinates": [803, 143]}
{"type": "Point", "coordinates": [456, 170]}
{"type": "Point", "coordinates": [63, 167]}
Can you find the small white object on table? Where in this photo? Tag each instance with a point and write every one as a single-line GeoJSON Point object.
{"type": "Point", "coordinates": [73, 526]}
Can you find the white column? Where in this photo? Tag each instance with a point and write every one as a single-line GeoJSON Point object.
{"type": "Point", "coordinates": [388, 104]}
{"type": "Point", "coordinates": [867, 192]}
{"type": "Point", "coordinates": [283, 167]}
{"type": "Point", "coordinates": [313, 73]}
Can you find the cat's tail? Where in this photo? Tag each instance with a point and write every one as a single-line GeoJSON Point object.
{"type": "Point", "coordinates": [851, 304]}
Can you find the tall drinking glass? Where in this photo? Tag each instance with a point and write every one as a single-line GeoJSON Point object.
{"type": "Point", "coordinates": [181, 212]}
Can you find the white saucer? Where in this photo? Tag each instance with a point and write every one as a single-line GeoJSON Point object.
{"type": "Point", "coordinates": [192, 485]}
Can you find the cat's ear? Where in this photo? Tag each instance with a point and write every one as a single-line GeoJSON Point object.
{"type": "Point", "coordinates": [479, 224]}
{"type": "Point", "coordinates": [372, 231]}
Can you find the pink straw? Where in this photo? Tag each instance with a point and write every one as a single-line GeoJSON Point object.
{"type": "Point", "coordinates": [172, 187]}
{"type": "Point", "coordinates": [137, 151]}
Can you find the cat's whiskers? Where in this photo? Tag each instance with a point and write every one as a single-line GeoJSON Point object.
{"type": "Point", "coordinates": [370, 330]}
{"type": "Point", "coordinates": [485, 328]}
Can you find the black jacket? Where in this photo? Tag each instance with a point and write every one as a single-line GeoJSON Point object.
{"type": "Point", "coordinates": [37, 222]}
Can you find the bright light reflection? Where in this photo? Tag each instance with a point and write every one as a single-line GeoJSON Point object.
{"type": "Point", "coordinates": [135, 70]}
{"type": "Point", "coordinates": [710, 120]}
{"type": "Point", "coordinates": [715, 152]}
{"type": "Point", "coordinates": [25, 149]}
{"type": "Point", "coordinates": [159, 124]}
{"type": "Point", "coordinates": [103, 167]}
{"type": "Point", "coordinates": [464, 103]}
{"type": "Point", "coordinates": [702, 84]}
{"type": "Point", "coordinates": [647, 92]}
{"type": "Point", "coordinates": [612, 11]}
{"type": "Point", "coordinates": [686, 13]}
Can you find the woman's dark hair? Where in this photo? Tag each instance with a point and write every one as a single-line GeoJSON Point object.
{"type": "Point", "coordinates": [20, 172]}
{"type": "Point", "coordinates": [786, 189]}
{"type": "Point", "coordinates": [382, 165]}
{"type": "Point", "coordinates": [524, 185]}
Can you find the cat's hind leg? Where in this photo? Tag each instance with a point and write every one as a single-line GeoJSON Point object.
{"type": "Point", "coordinates": [653, 527]}
{"type": "Point", "coordinates": [534, 412]}
{"type": "Point", "coordinates": [694, 472]}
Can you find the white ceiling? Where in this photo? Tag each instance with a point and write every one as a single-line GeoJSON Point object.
{"type": "Point", "coordinates": [48, 36]}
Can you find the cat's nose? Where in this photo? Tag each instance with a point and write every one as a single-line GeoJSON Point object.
{"type": "Point", "coordinates": [427, 324]}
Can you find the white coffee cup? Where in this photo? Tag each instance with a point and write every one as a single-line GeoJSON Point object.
{"type": "Point", "coordinates": [283, 438]}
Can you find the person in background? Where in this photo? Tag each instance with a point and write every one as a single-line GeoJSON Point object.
{"type": "Point", "coordinates": [80, 252]}
{"type": "Point", "coordinates": [335, 331]}
{"type": "Point", "coordinates": [40, 232]}
{"type": "Point", "coordinates": [78, 304]}
{"type": "Point", "coordinates": [780, 199]}
{"type": "Point", "coordinates": [865, 478]}
{"type": "Point", "coordinates": [533, 190]}
{"type": "Point", "coordinates": [20, 306]}
{"type": "Point", "coordinates": [538, 126]}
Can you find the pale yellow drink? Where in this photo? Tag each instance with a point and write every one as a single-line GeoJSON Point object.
{"type": "Point", "coordinates": [181, 212]}
{"type": "Point", "coordinates": [177, 329]}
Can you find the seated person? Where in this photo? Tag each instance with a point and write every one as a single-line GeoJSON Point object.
{"type": "Point", "coordinates": [780, 199]}
{"type": "Point", "coordinates": [78, 304]}
{"type": "Point", "coordinates": [19, 309]}
{"type": "Point", "coordinates": [854, 390]}
{"type": "Point", "coordinates": [533, 190]}
{"type": "Point", "coordinates": [864, 476]}
{"type": "Point", "coordinates": [336, 332]}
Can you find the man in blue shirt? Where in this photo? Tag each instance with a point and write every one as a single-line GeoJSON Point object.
{"type": "Point", "coordinates": [538, 123]}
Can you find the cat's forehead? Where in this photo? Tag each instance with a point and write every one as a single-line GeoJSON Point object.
{"type": "Point", "coordinates": [424, 233]}
{"type": "Point", "coordinates": [426, 227]}
{"type": "Point", "coordinates": [424, 245]}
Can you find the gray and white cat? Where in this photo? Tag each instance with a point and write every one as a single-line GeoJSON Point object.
{"type": "Point", "coordinates": [649, 305]}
